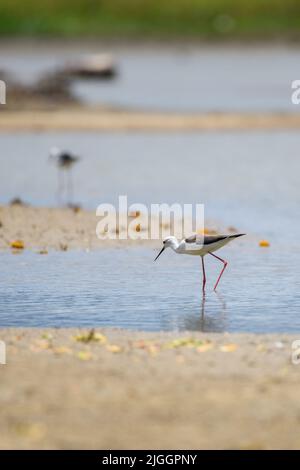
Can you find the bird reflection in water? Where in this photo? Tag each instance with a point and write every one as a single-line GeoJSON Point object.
{"type": "Point", "coordinates": [202, 321]}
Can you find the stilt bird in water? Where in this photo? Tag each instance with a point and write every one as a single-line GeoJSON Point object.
{"type": "Point", "coordinates": [200, 245]}
{"type": "Point", "coordinates": [64, 161]}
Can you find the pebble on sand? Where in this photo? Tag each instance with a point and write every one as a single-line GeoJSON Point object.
{"type": "Point", "coordinates": [17, 244]}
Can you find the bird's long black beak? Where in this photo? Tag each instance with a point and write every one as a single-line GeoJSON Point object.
{"type": "Point", "coordinates": [160, 253]}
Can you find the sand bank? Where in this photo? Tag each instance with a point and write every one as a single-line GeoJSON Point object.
{"type": "Point", "coordinates": [54, 228]}
{"type": "Point", "coordinates": [63, 228]}
{"type": "Point", "coordinates": [93, 119]}
{"type": "Point", "coordinates": [113, 389]}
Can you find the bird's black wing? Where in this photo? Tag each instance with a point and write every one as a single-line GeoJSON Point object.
{"type": "Point", "coordinates": [205, 239]}
{"type": "Point", "coordinates": [191, 239]}
{"type": "Point", "coordinates": [209, 239]}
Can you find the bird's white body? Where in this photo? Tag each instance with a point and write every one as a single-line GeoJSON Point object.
{"type": "Point", "coordinates": [196, 249]}
{"type": "Point", "coordinates": [198, 245]}
{"type": "Point", "coordinates": [64, 161]}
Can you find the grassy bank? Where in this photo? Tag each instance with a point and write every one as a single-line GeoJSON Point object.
{"type": "Point", "coordinates": [152, 18]}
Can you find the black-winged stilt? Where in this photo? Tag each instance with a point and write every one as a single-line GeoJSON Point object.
{"type": "Point", "coordinates": [200, 245]}
{"type": "Point", "coordinates": [64, 161]}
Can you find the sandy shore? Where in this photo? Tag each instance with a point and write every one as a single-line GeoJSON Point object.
{"type": "Point", "coordinates": [54, 228]}
{"type": "Point", "coordinates": [68, 389]}
{"type": "Point", "coordinates": [85, 119]}
{"type": "Point", "coordinates": [44, 229]}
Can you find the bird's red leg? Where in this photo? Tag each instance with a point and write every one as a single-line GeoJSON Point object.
{"type": "Point", "coordinates": [204, 276]}
{"type": "Point", "coordinates": [60, 186]}
{"type": "Point", "coordinates": [224, 267]}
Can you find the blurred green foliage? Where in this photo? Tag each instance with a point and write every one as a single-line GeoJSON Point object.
{"type": "Point", "coordinates": [154, 18]}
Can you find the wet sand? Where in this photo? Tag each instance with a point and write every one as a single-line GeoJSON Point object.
{"type": "Point", "coordinates": [70, 389]}
{"type": "Point", "coordinates": [54, 228]}
{"type": "Point", "coordinates": [84, 119]}
{"type": "Point", "coordinates": [41, 228]}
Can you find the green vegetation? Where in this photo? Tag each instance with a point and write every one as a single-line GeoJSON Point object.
{"type": "Point", "coordinates": [152, 18]}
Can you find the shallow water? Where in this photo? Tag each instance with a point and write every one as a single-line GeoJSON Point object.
{"type": "Point", "coordinates": [194, 78]}
{"type": "Point", "coordinates": [259, 292]}
{"type": "Point", "coordinates": [201, 79]}
{"type": "Point", "coordinates": [248, 180]}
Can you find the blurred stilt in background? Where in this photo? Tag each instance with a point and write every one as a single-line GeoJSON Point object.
{"type": "Point", "coordinates": [64, 161]}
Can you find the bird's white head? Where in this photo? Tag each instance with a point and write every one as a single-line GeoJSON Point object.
{"type": "Point", "coordinates": [168, 242]}
{"type": "Point", "coordinates": [54, 152]}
